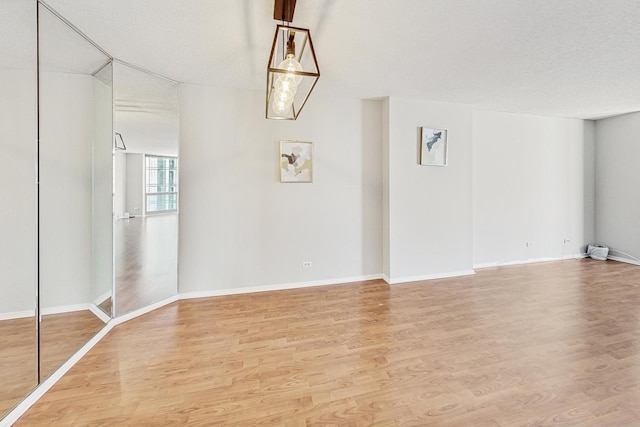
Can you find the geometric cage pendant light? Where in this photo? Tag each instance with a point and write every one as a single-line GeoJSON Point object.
{"type": "Point", "coordinates": [292, 72]}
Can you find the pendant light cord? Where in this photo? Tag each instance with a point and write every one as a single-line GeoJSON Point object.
{"type": "Point", "coordinates": [284, 23]}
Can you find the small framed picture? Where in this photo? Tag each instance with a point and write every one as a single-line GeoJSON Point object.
{"type": "Point", "coordinates": [433, 147]}
{"type": "Point", "coordinates": [296, 161]}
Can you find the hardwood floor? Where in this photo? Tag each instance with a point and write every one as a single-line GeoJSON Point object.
{"type": "Point", "coordinates": [146, 261]}
{"type": "Point", "coordinates": [61, 336]}
{"type": "Point", "coordinates": [534, 345]}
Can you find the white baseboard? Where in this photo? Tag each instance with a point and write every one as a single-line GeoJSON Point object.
{"type": "Point", "coordinates": [625, 260]}
{"type": "Point", "coordinates": [427, 277]}
{"type": "Point", "coordinates": [97, 311]}
{"type": "Point", "coordinates": [56, 310]}
{"type": "Point", "coordinates": [102, 298]}
{"type": "Point", "coordinates": [528, 261]}
{"type": "Point", "coordinates": [126, 317]}
{"type": "Point", "coordinates": [17, 314]}
{"type": "Point", "coordinates": [486, 265]}
{"type": "Point", "coordinates": [65, 309]}
{"type": "Point", "coordinates": [39, 391]}
{"type": "Point", "coordinates": [50, 310]}
{"type": "Point", "coordinates": [621, 256]}
{"type": "Point", "coordinates": [279, 287]}
{"type": "Point", "coordinates": [576, 256]}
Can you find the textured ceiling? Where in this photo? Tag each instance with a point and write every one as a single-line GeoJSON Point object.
{"type": "Point", "coordinates": [62, 50]}
{"type": "Point", "coordinates": [571, 58]}
{"type": "Point", "coordinates": [17, 35]}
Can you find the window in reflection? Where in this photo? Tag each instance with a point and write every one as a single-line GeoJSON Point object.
{"type": "Point", "coordinates": [162, 184]}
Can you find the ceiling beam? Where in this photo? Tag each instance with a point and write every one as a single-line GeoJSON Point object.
{"type": "Point", "coordinates": [283, 10]}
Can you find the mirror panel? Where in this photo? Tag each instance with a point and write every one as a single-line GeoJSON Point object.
{"type": "Point", "coordinates": [75, 189]}
{"type": "Point", "coordinates": [18, 213]}
{"type": "Point", "coordinates": [102, 191]}
{"type": "Point", "coordinates": [146, 189]}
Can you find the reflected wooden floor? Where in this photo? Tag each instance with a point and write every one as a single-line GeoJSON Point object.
{"type": "Point", "coordinates": [535, 345]}
{"type": "Point", "coordinates": [61, 334]}
{"type": "Point", "coordinates": [18, 360]}
{"type": "Point", "coordinates": [146, 261]}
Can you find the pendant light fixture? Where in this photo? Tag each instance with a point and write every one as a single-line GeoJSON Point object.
{"type": "Point", "coordinates": [293, 70]}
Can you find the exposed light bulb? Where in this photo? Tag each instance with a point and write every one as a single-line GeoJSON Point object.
{"type": "Point", "coordinates": [286, 85]}
{"type": "Point", "coordinates": [280, 108]}
{"type": "Point", "coordinates": [290, 64]}
{"type": "Point", "coordinates": [283, 96]}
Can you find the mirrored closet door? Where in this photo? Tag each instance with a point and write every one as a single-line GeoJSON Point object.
{"type": "Point", "coordinates": [18, 211]}
{"type": "Point", "coordinates": [75, 196]}
{"type": "Point", "coordinates": [146, 193]}
{"type": "Point", "coordinates": [62, 198]}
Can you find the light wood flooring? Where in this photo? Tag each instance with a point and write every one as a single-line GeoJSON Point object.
{"type": "Point", "coordinates": [61, 336]}
{"type": "Point", "coordinates": [146, 261]}
{"type": "Point", "coordinates": [535, 345]}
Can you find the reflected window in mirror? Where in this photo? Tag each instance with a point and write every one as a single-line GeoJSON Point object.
{"type": "Point", "coordinates": [162, 184]}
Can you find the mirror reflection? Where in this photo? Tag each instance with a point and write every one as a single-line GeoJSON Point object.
{"type": "Point", "coordinates": [70, 184]}
{"type": "Point", "coordinates": [75, 270]}
{"type": "Point", "coordinates": [146, 188]}
{"type": "Point", "coordinates": [18, 215]}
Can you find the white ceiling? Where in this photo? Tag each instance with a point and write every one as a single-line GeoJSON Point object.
{"type": "Point", "coordinates": [146, 111]}
{"type": "Point", "coordinates": [62, 50]}
{"type": "Point", "coordinates": [570, 58]}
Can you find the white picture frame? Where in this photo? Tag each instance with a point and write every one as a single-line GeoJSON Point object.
{"type": "Point", "coordinates": [433, 147]}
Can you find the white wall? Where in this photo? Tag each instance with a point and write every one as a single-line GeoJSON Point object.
{"type": "Point", "coordinates": [511, 179]}
{"type": "Point", "coordinates": [429, 208]}
{"type": "Point", "coordinates": [135, 184]}
{"type": "Point", "coordinates": [589, 179]}
{"type": "Point", "coordinates": [372, 123]}
{"type": "Point", "coordinates": [531, 188]}
{"type": "Point", "coordinates": [18, 222]}
{"type": "Point", "coordinates": [66, 135]}
{"type": "Point", "coordinates": [617, 177]}
{"type": "Point", "coordinates": [240, 227]}
{"type": "Point", "coordinates": [386, 255]}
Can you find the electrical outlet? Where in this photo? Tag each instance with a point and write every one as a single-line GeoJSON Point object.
{"type": "Point", "coordinates": [567, 240]}
{"type": "Point", "coordinates": [527, 244]}
{"type": "Point", "coordinates": [307, 264]}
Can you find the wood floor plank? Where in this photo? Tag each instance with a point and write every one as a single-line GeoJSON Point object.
{"type": "Point", "coordinates": [61, 336]}
{"type": "Point", "coordinates": [535, 345]}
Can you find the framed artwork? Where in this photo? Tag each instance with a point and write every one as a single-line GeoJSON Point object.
{"type": "Point", "coordinates": [296, 161]}
{"type": "Point", "coordinates": [433, 147]}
